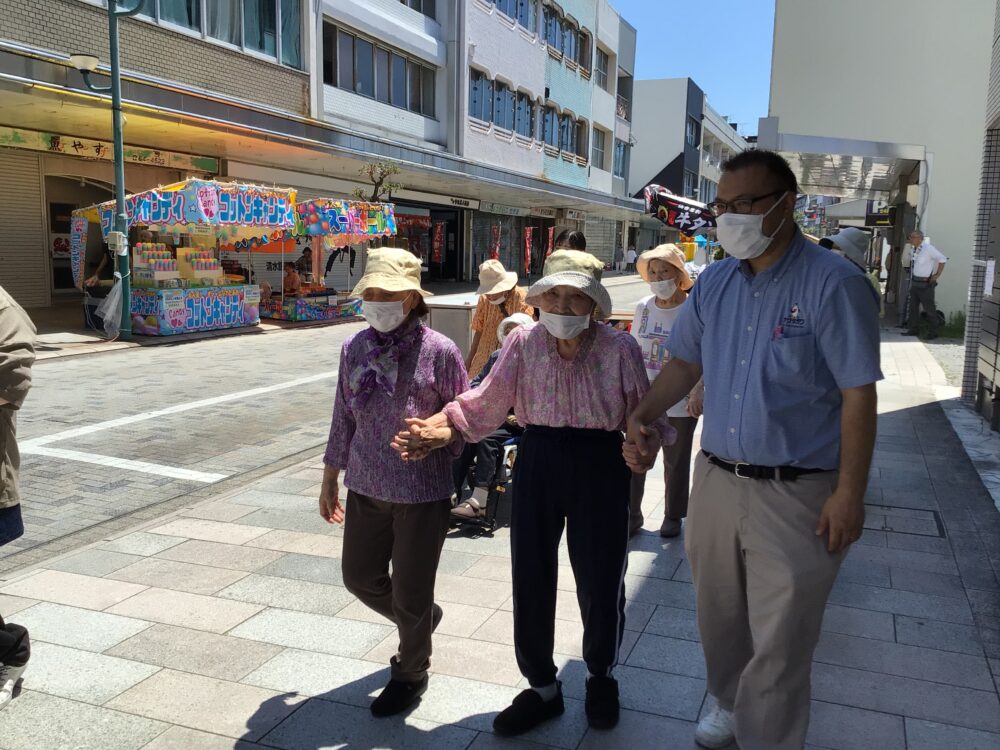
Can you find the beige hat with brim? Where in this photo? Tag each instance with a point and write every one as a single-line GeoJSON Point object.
{"type": "Point", "coordinates": [494, 278]}
{"type": "Point", "coordinates": [577, 269]}
{"type": "Point", "coordinates": [391, 269]}
{"type": "Point", "coordinates": [669, 254]}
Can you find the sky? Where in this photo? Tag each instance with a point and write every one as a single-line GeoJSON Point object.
{"type": "Point", "coordinates": [724, 45]}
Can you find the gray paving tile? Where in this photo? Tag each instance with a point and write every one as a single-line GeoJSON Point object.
{"type": "Point", "coordinates": [917, 543]}
{"type": "Point", "coordinates": [194, 701]}
{"type": "Point", "coordinates": [272, 518]}
{"type": "Point", "coordinates": [659, 564]}
{"type": "Point", "coordinates": [642, 689]}
{"type": "Point", "coordinates": [218, 555]}
{"type": "Point", "coordinates": [946, 636]}
{"type": "Point", "coordinates": [181, 738]}
{"type": "Point", "coordinates": [862, 571]}
{"type": "Point", "coordinates": [863, 623]}
{"type": "Point", "coordinates": [320, 724]}
{"type": "Point", "coordinates": [984, 602]}
{"type": "Point", "coordinates": [209, 531]}
{"type": "Point", "coordinates": [901, 602]}
{"type": "Point", "coordinates": [898, 558]}
{"type": "Point", "coordinates": [456, 563]}
{"type": "Point", "coordinates": [178, 576]}
{"type": "Point", "coordinates": [196, 651]}
{"type": "Point", "coordinates": [10, 605]}
{"type": "Point", "coordinates": [302, 630]}
{"type": "Point", "coordinates": [287, 593]}
{"type": "Point", "coordinates": [335, 678]}
{"type": "Point", "coordinates": [186, 610]}
{"type": "Point", "coordinates": [306, 568]}
{"type": "Point", "coordinates": [93, 562]}
{"type": "Point", "coordinates": [78, 628]}
{"type": "Point", "coordinates": [642, 730]}
{"type": "Point", "coordinates": [674, 623]}
{"type": "Point", "coordinates": [668, 655]}
{"type": "Point", "coordinates": [72, 589]}
{"type": "Point", "coordinates": [922, 582]}
{"type": "Point", "coordinates": [659, 592]}
{"type": "Point", "coordinates": [486, 741]}
{"type": "Point", "coordinates": [82, 675]}
{"type": "Point", "coordinates": [259, 497]}
{"type": "Point", "coordinates": [36, 721]}
{"type": "Point", "coordinates": [218, 511]}
{"type": "Point", "coordinates": [963, 670]}
{"type": "Point", "coordinates": [846, 728]}
{"type": "Point", "coordinates": [927, 735]}
{"type": "Point", "coordinates": [906, 697]}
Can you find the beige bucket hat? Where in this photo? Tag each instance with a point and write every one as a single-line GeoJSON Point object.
{"type": "Point", "coordinates": [577, 269]}
{"type": "Point", "coordinates": [393, 270]}
{"type": "Point", "coordinates": [672, 255]}
{"type": "Point", "coordinates": [494, 278]}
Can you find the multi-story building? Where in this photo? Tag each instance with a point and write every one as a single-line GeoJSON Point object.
{"type": "Point", "coordinates": [680, 144]}
{"type": "Point", "coordinates": [302, 93]}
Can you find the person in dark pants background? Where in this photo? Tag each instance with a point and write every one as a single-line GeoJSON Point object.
{"type": "Point", "coordinates": [926, 267]}
{"type": "Point", "coordinates": [17, 353]}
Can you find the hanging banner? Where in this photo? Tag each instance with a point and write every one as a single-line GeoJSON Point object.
{"type": "Point", "coordinates": [437, 246]}
{"type": "Point", "coordinates": [357, 221]}
{"type": "Point", "coordinates": [495, 242]}
{"type": "Point", "coordinates": [552, 234]}
{"type": "Point", "coordinates": [77, 246]}
{"type": "Point", "coordinates": [529, 234]}
{"type": "Point", "coordinates": [686, 215]}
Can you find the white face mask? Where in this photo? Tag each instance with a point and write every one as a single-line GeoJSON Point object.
{"type": "Point", "coordinates": [663, 289]}
{"type": "Point", "coordinates": [742, 235]}
{"type": "Point", "coordinates": [564, 326]}
{"type": "Point", "coordinates": [384, 316]}
{"type": "Point", "coordinates": [496, 302]}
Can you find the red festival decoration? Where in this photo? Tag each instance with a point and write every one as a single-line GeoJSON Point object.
{"type": "Point", "coordinates": [495, 243]}
{"type": "Point", "coordinates": [529, 234]}
{"type": "Point", "coordinates": [438, 242]}
{"type": "Point", "coordinates": [552, 234]}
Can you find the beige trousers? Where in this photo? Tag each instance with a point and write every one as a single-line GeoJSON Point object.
{"type": "Point", "coordinates": [761, 578]}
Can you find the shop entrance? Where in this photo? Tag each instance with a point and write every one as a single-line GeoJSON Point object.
{"type": "Point", "coordinates": [63, 194]}
{"type": "Point", "coordinates": [444, 258]}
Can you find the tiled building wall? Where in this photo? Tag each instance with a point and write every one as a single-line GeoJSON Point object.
{"type": "Point", "coordinates": [68, 26]}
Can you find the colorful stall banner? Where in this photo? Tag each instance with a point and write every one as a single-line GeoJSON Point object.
{"type": "Point", "coordinates": [164, 312]}
{"type": "Point", "coordinates": [77, 246]}
{"type": "Point", "coordinates": [437, 243]}
{"type": "Point", "coordinates": [529, 234]}
{"type": "Point", "coordinates": [354, 221]}
{"type": "Point", "coordinates": [684, 214]}
{"type": "Point", "coordinates": [495, 242]}
{"type": "Point", "coordinates": [552, 234]}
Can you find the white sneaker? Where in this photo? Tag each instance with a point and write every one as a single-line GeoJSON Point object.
{"type": "Point", "coordinates": [8, 680]}
{"type": "Point", "coordinates": [716, 729]}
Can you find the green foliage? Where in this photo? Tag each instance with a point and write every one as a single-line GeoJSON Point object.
{"type": "Point", "coordinates": [378, 173]}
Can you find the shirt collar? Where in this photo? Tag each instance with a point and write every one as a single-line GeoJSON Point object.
{"type": "Point", "coordinates": [778, 270]}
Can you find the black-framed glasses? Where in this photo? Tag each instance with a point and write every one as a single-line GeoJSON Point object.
{"type": "Point", "coordinates": [741, 205]}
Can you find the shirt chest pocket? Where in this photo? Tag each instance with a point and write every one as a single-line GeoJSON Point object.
{"type": "Point", "coordinates": [791, 361]}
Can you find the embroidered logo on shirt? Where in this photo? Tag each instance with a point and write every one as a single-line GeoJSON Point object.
{"type": "Point", "coordinates": [794, 318]}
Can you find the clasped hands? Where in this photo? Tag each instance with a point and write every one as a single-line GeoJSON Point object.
{"type": "Point", "coordinates": [642, 444]}
{"type": "Point", "coordinates": [422, 436]}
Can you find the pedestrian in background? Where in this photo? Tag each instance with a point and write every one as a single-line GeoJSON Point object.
{"type": "Point", "coordinates": [663, 268]}
{"type": "Point", "coordinates": [630, 258]}
{"type": "Point", "coordinates": [571, 381]}
{"type": "Point", "coordinates": [396, 512]}
{"type": "Point", "coordinates": [926, 267]}
{"type": "Point", "coordinates": [17, 353]}
{"type": "Point", "coordinates": [499, 298]}
{"type": "Point", "coordinates": [786, 335]}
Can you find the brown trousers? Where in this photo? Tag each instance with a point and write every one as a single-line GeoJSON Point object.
{"type": "Point", "coordinates": [410, 536]}
{"type": "Point", "coordinates": [761, 578]}
{"type": "Point", "coordinates": [676, 471]}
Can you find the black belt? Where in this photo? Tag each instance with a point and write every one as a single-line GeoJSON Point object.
{"type": "Point", "coordinates": [921, 281]}
{"type": "Point", "coordinates": [749, 471]}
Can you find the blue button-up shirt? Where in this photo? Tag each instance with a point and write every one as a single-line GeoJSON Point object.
{"type": "Point", "coordinates": [776, 349]}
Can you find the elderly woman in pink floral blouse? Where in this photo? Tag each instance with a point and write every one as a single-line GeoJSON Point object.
{"type": "Point", "coordinates": [572, 381]}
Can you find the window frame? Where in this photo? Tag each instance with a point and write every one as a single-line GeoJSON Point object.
{"type": "Point", "coordinates": [601, 73]}
{"type": "Point", "coordinates": [620, 164]}
{"type": "Point", "coordinates": [432, 13]}
{"type": "Point", "coordinates": [691, 132]}
{"type": "Point", "coordinates": [202, 33]}
{"type": "Point", "coordinates": [602, 135]}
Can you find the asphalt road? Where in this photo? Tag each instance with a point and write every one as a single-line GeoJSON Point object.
{"type": "Point", "coordinates": [112, 439]}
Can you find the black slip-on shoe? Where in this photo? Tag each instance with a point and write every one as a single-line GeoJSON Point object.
{"type": "Point", "coordinates": [527, 711]}
{"type": "Point", "coordinates": [397, 697]}
{"type": "Point", "coordinates": [602, 702]}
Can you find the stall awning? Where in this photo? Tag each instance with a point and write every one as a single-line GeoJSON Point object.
{"type": "Point", "coordinates": [848, 168]}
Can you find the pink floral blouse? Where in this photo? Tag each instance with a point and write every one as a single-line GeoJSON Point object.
{"type": "Point", "coordinates": [595, 390]}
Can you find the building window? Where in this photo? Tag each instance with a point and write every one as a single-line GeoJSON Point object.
{"type": "Point", "coordinates": [427, 7]}
{"type": "Point", "coordinates": [550, 127]}
{"type": "Point", "coordinates": [600, 143]}
{"type": "Point", "coordinates": [601, 69]}
{"type": "Point", "coordinates": [569, 40]}
{"type": "Point", "coordinates": [553, 27]}
{"type": "Point", "coordinates": [524, 119]}
{"type": "Point", "coordinates": [480, 96]}
{"type": "Point", "coordinates": [690, 180]}
{"type": "Point", "coordinates": [584, 54]}
{"type": "Point", "coordinates": [526, 14]}
{"type": "Point", "coordinates": [582, 145]}
{"type": "Point", "coordinates": [691, 132]}
{"type": "Point", "coordinates": [621, 159]}
{"type": "Point", "coordinates": [503, 106]}
{"type": "Point", "coordinates": [268, 27]}
{"type": "Point", "coordinates": [568, 132]}
{"type": "Point", "coordinates": [507, 7]}
{"type": "Point", "coordinates": [356, 64]}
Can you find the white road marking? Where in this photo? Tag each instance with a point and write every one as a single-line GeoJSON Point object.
{"type": "Point", "coordinates": [38, 446]}
{"type": "Point", "coordinates": [124, 463]}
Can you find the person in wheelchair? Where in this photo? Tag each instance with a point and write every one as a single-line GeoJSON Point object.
{"type": "Point", "coordinates": [480, 463]}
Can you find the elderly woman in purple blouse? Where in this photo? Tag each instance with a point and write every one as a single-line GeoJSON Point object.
{"type": "Point", "coordinates": [396, 512]}
{"type": "Point", "coordinates": [572, 382]}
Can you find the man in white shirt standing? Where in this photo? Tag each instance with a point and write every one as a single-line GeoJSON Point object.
{"type": "Point", "coordinates": [926, 266]}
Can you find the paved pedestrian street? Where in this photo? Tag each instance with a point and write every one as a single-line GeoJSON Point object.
{"type": "Point", "coordinates": [225, 625]}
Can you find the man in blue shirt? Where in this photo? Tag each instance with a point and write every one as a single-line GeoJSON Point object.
{"type": "Point", "coordinates": [786, 336]}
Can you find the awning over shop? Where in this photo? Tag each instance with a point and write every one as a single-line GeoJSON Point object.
{"type": "Point", "coordinates": [840, 166]}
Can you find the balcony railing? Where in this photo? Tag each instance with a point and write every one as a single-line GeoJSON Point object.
{"type": "Point", "coordinates": [623, 109]}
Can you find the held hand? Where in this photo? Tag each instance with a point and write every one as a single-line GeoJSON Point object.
{"type": "Point", "coordinates": [640, 456]}
{"type": "Point", "coordinates": [329, 503]}
{"type": "Point", "coordinates": [420, 438]}
{"type": "Point", "coordinates": [696, 403]}
{"type": "Point", "coordinates": [843, 519]}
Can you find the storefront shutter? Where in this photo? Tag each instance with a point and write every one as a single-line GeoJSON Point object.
{"type": "Point", "coordinates": [24, 270]}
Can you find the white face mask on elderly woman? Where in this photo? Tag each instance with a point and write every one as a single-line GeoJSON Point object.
{"type": "Point", "coordinates": [384, 316]}
{"type": "Point", "coordinates": [564, 326]}
{"type": "Point", "coordinates": [663, 289]}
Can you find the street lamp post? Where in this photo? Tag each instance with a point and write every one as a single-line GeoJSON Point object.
{"type": "Point", "coordinates": [86, 64]}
